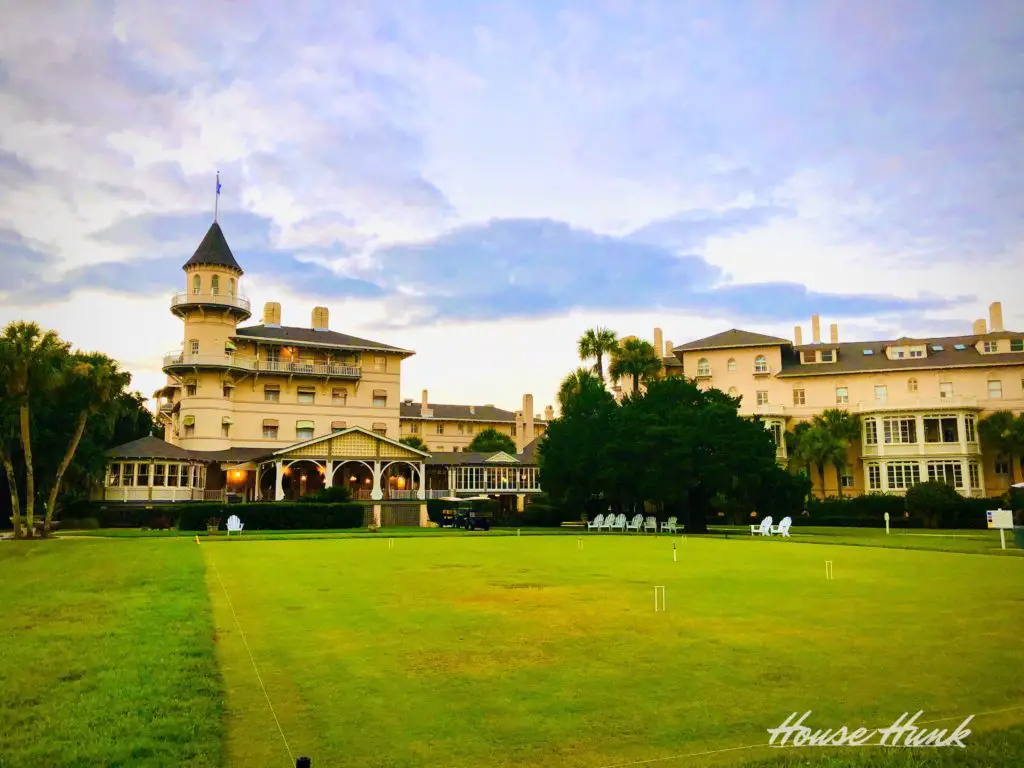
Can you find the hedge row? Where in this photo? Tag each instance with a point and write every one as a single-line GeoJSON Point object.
{"type": "Point", "coordinates": [194, 516]}
{"type": "Point", "coordinates": [869, 511]}
{"type": "Point", "coordinates": [539, 514]}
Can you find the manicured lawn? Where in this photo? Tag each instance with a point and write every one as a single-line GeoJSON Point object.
{"type": "Point", "coordinates": [505, 651]}
{"type": "Point", "coordinates": [107, 656]}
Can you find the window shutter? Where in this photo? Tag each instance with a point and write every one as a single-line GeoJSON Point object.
{"type": "Point", "coordinates": [270, 422]}
{"type": "Point", "coordinates": [304, 425]}
{"type": "Point", "coordinates": [189, 421]}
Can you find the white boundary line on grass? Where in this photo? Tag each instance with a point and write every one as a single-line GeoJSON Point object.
{"type": "Point", "coordinates": [255, 669]}
{"type": "Point", "coordinates": [765, 744]}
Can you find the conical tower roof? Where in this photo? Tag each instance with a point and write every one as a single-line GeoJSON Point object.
{"type": "Point", "coordinates": [213, 251]}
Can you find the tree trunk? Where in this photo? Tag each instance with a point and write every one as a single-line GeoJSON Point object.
{"type": "Point", "coordinates": [821, 474]}
{"type": "Point", "coordinates": [636, 384]}
{"type": "Point", "coordinates": [839, 480]}
{"type": "Point", "coordinates": [12, 482]}
{"type": "Point", "coordinates": [599, 369]}
{"type": "Point", "coordinates": [30, 480]}
{"type": "Point", "coordinates": [52, 501]}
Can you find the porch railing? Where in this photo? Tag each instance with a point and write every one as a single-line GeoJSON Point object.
{"type": "Point", "coordinates": [245, 363]}
{"type": "Point", "coordinates": [237, 301]}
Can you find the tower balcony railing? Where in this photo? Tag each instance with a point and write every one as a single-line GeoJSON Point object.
{"type": "Point", "coordinates": [223, 299]}
{"type": "Point", "coordinates": [174, 360]}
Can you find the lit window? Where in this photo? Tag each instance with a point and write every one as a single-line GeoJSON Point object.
{"type": "Point", "coordinates": [760, 364]}
{"type": "Point", "coordinates": [272, 393]}
{"type": "Point", "coordinates": [193, 347]}
{"type": "Point", "coordinates": [197, 284]}
{"type": "Point", "coordinates": [703, 368]}
{"type": "Point", "coordinates": [881, 394]}
{"type": "Point", "coordinates": [903, 474]}
{"type": "Point", "coordinates": [799, 397]}
{"type": "Point", "coordinates": [874, 477]}
{"type": "Point", "coordinates": [995, 390]}
{"type": "Point", "coordinates": [842, 395]}
{"type": "Point", "coordinates": [731, 365]}
{"type": "Point", "coordinates": [270, 432]}
{"type": "Point", "coordinates": [215, 285]}
{"type": "Point", "coordinates": [870, 432]}
{"type": "Point", "coordinates": [307, 395]}
{"type": "Point", "coordinates": [339, 396]}
{"type": "Point", "coordinates": [990, 346]}
{"type": "Point", "coordinates": [762, 397]}
{"type": "Point", "coordinates": [945, 389]}
{"type": "Point", "coordinates": [912, 385]}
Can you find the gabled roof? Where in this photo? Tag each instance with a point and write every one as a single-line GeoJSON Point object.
{"type": "Point", "coordinates": [467, 457]}
{"type": "Point", "coordinates": [443, 412]}
{"type": "Point", "coordinates": [150, 447]}
{"type": "Point", "coordinates": [309, 337]}
{"type": "Point", "coordinates": [362, 430]}
{"type": "Point", "coordinates": [213, 251]}
{"type": "Point", "coordinates": [734, 337]}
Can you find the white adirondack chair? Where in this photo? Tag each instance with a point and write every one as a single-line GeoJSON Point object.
{"type": "Point", "coordinates": [596, 523]}
{"type": "Point", "coordinates": [670, 525]}
{"type": "Point", "coordinates": [236, 525]}
{"type": "Point", "coordinates": [651, 524]}
{"type": "Point", "coordinates": [609, 523]}
{"type": "Point", "coordinates": [764, 529]}
{"type": "Point", "coordinates": [782, 529]}
{"type": "Point", "coordinates": [620, 523]}
{"type": "Point", "coordinates": [635, 523]}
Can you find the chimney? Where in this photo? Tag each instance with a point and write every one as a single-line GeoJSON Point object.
{"type": "Point", "coordinates": [524, 433]}
{"type": "Point", "coordinates": [659, 342]}
{"type": "Point", "coordinates": [978, 329]}
{"type": "Point", "coordinates": [798, 335]}
{"type": "Point", "coordinates": [995, 317]}
{"type": "Point", "coordinates": [816, 328]}
{"type": "Point", "coordinates": [668, 349]}
{"type": "Point", "coordinates": [320, 318]}
{"type": "Point", "coordinates": [424, 406]}
{"type": "Point", "coordinates": [549, 413]}
{"type": "Point", "coordinates": [833, 331]}
{"type": "Point", "coordinates": [271, 313]}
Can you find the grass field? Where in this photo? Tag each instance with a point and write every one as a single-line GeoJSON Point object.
{"type": "Point", "coordinates": [502, 651]}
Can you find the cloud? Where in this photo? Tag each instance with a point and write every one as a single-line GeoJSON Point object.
{"type": "Point", "coordinates": [692, 229]}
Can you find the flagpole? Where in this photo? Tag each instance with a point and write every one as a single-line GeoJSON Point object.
{"type": "Point", "coordinates": [216, 199]}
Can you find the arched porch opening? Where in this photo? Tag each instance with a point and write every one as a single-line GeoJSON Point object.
{"type": "Point", "coordinates": [355, 475]}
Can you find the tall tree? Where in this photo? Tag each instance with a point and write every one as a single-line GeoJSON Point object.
{"type": "Point", "coordinates": [637, 359]}
{"type": "Point", "coordinates": [32, 365]}
{"type": "Point", "coordinates": [1004, 433]}
{"type": "Point", "coordinates": [814, 446]}
{"type": "Point", "coordinates": [596, 343]}
{"type": "Point", "coordinates": [842, 428]}
{"type": "Point", "coordinates": [575, 384]}
{"type": "Point", "coordinates": [492, 441]}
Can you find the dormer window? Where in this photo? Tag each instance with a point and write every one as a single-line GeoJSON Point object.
{"type": "Point", "coordinates": [1017, 345]}
{"type": "Point", "coordinates": [215, 285]}
{"type": "Point", "coordinates": [827, 356]}
{"type": "Point", "coordinates": [990, 346]}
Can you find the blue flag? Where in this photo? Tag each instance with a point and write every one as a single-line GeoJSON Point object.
{"type": "Point", "coordinates": [218, 186]}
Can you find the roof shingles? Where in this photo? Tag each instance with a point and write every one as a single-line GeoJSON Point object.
{"type": "Point", "coordinates": [734, 337]}
{"type": "Point", "coordinates": [213, 251]}
{"type": "Point", "coordinates": [313, 338]}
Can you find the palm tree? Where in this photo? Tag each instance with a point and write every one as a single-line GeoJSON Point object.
{"type": "Point", "coordinates": [91, 382]}
{"type": "Point", "coordinates": [636, 358]}
{"type": "Point", "coordinates": [1004, 433]}
{"type": "Point", "coordinates": [574, 385]}
{"type": "Point", "coordinates": [31, 365]}
{"type": "Point", "coordinates": [813, 445]}
{"type": "Point", "coordinates": [596, 343]}
{"type": "Point", "coordinates": [843, 428]}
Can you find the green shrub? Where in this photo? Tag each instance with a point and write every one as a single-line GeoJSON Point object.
{"type": "Point", "coordinates": [279, 515]}
{"type": "Point", "coordinates": [869, 508]}
{"type": "Point", "coordinates": [933, 502]}
{"type": "Point", "coordinates": [336, 494]}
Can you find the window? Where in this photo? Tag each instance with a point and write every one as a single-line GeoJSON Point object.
{"type": "Point", "coordinates": [225, 430]}
{"type": "Point", "coordinates": [842, 395]}
{"type": "Point", "coordinates": [338, 426]}
{"type": "Point", "coordinates": [881, 394]}
{"type": "Point", "coordinates": [912, 385]}
{"type": "Point", "coordinates": [227, 391]}
{"type": "Point", "coordinates": [172, 475]}
{"type": "Point", "coordinates": [974, 474]}
{"type": "Point", "coordinates": [270, 431]}
{"type": "Point", "coordinates": [917, 353]}
{"type": "Point", "coordinates": [414, 428]}
{"type": "Point", "coordinates": [731, 365]}
{"type": "Point", "coordinates": [462, 428]}
{"type": "Point", "coordinates": [231, 286]}
{"type": "Point", "coordinates": [197, 284]}
{"type": "Point", "coordinates": [183, 475]}
{"type": "Point", "coordinates": [159, 473]}
{"type": "Point", "coordinates": [470, 429]}
{"type": "Point", "coordinates": [826, 356]}
{"type": "Point", "coordinates": [1002, 465]}
{"type": "Point", "coordinates": [899, 353]}
{"type": "Point", "coordinates": [945, 390]}
{"type": "Point", "coordinates": [380, 363]}
{"type": "Point", "coordinates": [941, 429]}
{"type": "Point", "coordinates": [762, 397]}
{"type": "Point", "coordinates": [215, 285]}
{"type": "Point", "coordinates": [703, 367]}
{"type": "Point", "coordinates": [193, 347]}
{"type": "Point", "coordinates": [969, 429]}
{"type": "Point", "coordinates": [339, 396]}
{"type": "Point", "coordinates": [870, 432]}
{"type": "Point", "coordinates": [990, 346]}
{"type": "Point", "coordinates": [957, 347]}
{"type": "Point", "coordinates": [191, 388]}
{"type": "Point", "coordinates": [760, 364]}
{"type": "Point", "coordinates": [948, 472]}
{"type": "Point", "coordinates": [304, 430]}
{"type": "Point", "coordinates": [868, 351]}
{"type": "Point", "coordinates": [874, 477]}
{"type": "Point", "coordinates": [380, 398]}
{"type": "Point", "coordinates": [307, 395]}
{"type": "Point", "coordinates": [776, 429]}
{"type": "Point", "coordinates": [190, 430]}
{"type": "Point", "coordinates": [799, 397]}
{"type": "Point", "coordinates": [115, 474]}
{"type": "Point", "coordinates": [899, 430]}
{"type": "Point", "coordinates": [440, 428]}
{"type": "Point", "coordinates": [380, 428]}
{"type": "Point", "coordinates": [1017, 345]}
{"type": "Point", "coordinates": [272, 393]}
{"type": "Point", "coordinates": [846, 480]}
{"type": "Point", "coordinates": [903, 474]}
{"type": "Point", "coordinates": [995, 390]}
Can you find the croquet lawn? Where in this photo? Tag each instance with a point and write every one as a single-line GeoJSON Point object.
{"type": "Point", "coordinates": [499, 651]}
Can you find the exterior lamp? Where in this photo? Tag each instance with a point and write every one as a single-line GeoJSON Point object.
{"type": "Point", "coordinates": [352, 479]}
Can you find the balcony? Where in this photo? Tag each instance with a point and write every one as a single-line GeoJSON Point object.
{"type": "Point", "coordinates": [181, 301]}
{"type": "Point", "coordinates": [177, 361]}
{"type": "Point", "coordinates": [919, 404]}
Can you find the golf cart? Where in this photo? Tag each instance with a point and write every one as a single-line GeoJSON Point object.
{"type": "Point", "coordinates": [469, 513]}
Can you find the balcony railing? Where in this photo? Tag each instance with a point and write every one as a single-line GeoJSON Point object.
{"type": "Point", "coordinates": [918, 403]}
{"type": "Point", "coordinates": [186, 298]}
{"type": "Point", "coordinates": [241, 362]}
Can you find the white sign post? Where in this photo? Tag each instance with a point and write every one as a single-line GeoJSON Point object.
{"type": "Point", "coordinates": [1001, 519]}
{"type": "Point", "coordinates": [886, 523]}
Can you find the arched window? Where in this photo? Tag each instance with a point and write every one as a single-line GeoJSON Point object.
{"type": "Point", "coordinates": [760, 364]}
{"type": "Point", "coordinates": [703, 367]}
{"type": "Point", "coordinates": [731, 365]}
{"type": "Point", "coordinates": [215, 285]}
{"type": "Point", "coordinates": [231, 286]}
{"type": "Point", "coordinates": [732, 392]}
{"type": "Point", "coordinates": [197, 284]}
{"type": "Point", "coordinates": [193, 347]}
{"type": "Point", "coordinates": [912, 385]}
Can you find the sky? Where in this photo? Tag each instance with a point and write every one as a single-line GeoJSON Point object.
{"type": "Point", "coordinates": [482, 181]}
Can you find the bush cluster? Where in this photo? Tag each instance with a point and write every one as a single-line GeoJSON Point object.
{"type": "Point", "coordinates": [923, 506]}
{"type": "Point", "coordinates": [282, 515]}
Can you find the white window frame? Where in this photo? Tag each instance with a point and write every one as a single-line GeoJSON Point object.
{"type": "Point", "coordinates": [974, 475]}
{"type": "Point", "coordinates": [731, 365]}
{"type": "Point", "coordinates": [898, 430]}
{"type": "Point", "coordinates": [760, 364]}
{"type": "Point", "coordinates": [874, 477]}
{"type": "Point", "coordinates": [991, 346]}
{"type": "Point", "coordinates": [944, 471]}
{"type": "Point", "coordinates": [270, 432]}
{"type": "Point", "coordinates": [881, 394]}
{"type": "Point", "coordinates": [703, 367]}
{"type": "Point", "coordinates": [995, 392]}
{"type": "Point", "coordinates": [762, 397]}
{"type": "Point", "coordinates": [271, 389]}
{"type": "Point", "coordinates": [799, 396]}
{"type": "Point", "coordinates": [870, 431]}
{"type": "Point", "coordinates": [970, 429]}
{"type": "Point", "coordinates": [903, 474]}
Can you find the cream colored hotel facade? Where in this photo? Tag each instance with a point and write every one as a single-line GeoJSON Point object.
{"type": "Point", "coordinates": [273, 411]}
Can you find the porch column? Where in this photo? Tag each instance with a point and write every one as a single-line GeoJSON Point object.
{"type": "Point", "coordinates": [961, 432]}
{"type": "Point", "coordinates": [329, 476]}
{"type": "Point", "coordinates": [520, 502]}
{"type": "Point", "coordinates": [279, 489]}
{"type": "Point", "coordinates": [376, 494]}
{"type": "Point", "coordinates": [965, 475]}
{"type": "Point", "coordinates": [150, 483]}
{"type": "Point", "coordinates": [256, 486]}
{"type": "Point", "coordinates": [981, 476]}
{"type": "Point", "coordinates": [421, 492]}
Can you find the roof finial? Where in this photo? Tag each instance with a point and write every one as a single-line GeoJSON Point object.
{"type": "Point", "coordinates": [216, 200]}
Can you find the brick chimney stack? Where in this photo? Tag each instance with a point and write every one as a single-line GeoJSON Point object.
{"type": "Point", "coordinates": [816, 328]}
{"type": "Point", "coordinates": [995, 317]}
{"type": "Point", "coordinates": [798, 335]}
